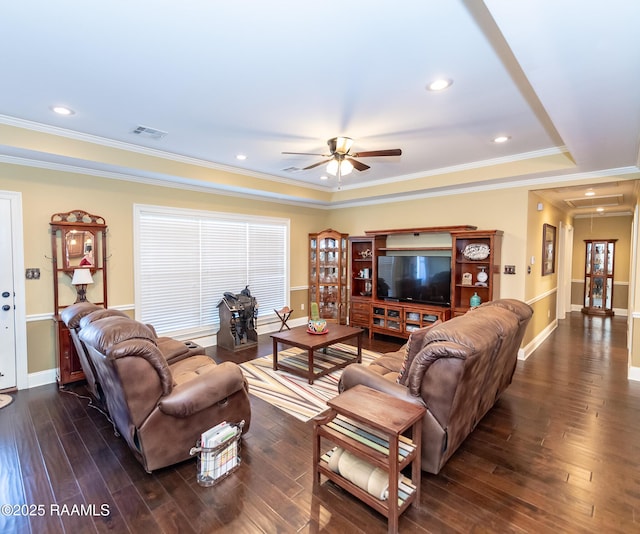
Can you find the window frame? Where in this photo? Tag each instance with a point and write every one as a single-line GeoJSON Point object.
{"type": "Point", "coordinates": [209, 321]}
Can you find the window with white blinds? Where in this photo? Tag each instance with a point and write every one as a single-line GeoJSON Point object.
{"type": "Point", "coordinates": [185, 260]}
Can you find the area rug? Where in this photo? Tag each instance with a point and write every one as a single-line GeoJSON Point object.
{"type": "Point", "coordinates": [294, 394]}
{"type": "Point", "coordinates": [5, 400]}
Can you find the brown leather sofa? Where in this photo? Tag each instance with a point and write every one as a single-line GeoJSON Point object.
{"type": "Point", "coordinates": [161, 409]}
{"type": "Point", "coordinates": [83, 313]}
{"type": "Point", "coordinates": [456, 369]}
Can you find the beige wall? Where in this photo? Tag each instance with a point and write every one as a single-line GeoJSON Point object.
{"type": "Point", "coordinates": [619, 228]}
{"type": "Point", "coordinates": [541, 291]}
{"type": "Point", "coordinates": [45, 192]}
{"type": "Point", "coordinates": [488, 210]}
{"type": "Point", "coordinates": [603, 228]}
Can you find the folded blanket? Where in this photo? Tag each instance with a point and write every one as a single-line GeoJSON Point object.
{"type": "Point", "coordinates": [361, 473]}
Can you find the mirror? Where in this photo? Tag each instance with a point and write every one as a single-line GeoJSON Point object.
{"type": "Point", "coordinates": [79, 248]}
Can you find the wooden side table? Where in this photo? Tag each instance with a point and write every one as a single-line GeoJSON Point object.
{"type": "Point", "coordinates": [369, 424]}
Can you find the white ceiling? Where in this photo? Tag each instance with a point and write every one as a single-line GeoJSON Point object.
{"type": "Point", "coordinates": [261, 78]}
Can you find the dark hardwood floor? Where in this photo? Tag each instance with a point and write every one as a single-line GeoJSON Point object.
{"type": "Point", "coordinates": [560, 452]}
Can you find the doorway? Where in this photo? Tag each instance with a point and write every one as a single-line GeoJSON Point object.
{"type": "Point", "coordinates": [13, 334]}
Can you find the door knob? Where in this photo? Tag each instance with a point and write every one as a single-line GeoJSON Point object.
{"type": "Point", "coordinates": [6, 294]}
{"type": "Point", "coordinates": [6, 307]}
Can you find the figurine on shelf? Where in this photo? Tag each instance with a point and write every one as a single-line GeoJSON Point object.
{"type": "Point", "coordinates": [482, 277]}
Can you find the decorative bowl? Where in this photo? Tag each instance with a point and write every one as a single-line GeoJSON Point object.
{"type": "Point", "coordinates": [317, 326]}
{"type": "Point", "coordinates": [476, 251]}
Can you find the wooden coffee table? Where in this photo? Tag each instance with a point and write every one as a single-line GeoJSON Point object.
{"type": "Point", "coordinates": [299, 337]}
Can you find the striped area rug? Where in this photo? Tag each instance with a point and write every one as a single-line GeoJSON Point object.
{"type": "Point", "coordinates": [294, 394]}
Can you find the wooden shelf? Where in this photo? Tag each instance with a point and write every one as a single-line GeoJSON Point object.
{"type": "Point", "coordinates": [371, 425]}
{"type": "Point", "coordinates": [461, 293]}
{"type": "Point", "coordinates": [416, 249]}
{"type": "Point", "coordinates": [363, 306]}
{"type": "Point", "coordinates": [427, 230]}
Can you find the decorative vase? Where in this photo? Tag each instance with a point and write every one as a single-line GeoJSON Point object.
{"type": "Point", "coordinates": [317, 326]}
{"type": "Point", "coordinates": [475, 300]}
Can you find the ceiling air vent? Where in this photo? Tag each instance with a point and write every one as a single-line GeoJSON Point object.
{"type": "Point", "coordinates": [150, 133]}
{"type": "Point", "coordinates": [592, 202]}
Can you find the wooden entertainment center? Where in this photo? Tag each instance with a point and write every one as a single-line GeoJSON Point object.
{"type": "Point", "coordinates": [472, 252]}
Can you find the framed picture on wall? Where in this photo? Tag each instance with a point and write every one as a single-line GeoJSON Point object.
{"type": "Point", "coordinates": [548, 249]}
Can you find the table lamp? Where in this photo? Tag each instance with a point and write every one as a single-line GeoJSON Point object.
{"type": "Point", "coordinates": [81, 277]}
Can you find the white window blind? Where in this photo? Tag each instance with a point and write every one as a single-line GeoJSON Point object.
{"type": "Point", "coordinates": [187, 259]}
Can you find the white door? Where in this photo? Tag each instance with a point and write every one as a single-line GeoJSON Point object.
{"type": "Point", "coordinates": [7, 300]}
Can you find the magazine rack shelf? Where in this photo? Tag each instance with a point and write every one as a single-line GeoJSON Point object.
{"type": "Point", "coordinates": [216, 463]}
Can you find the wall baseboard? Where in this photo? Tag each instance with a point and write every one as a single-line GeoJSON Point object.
{"type": "Point", "coordinates": [634, 374]}
{"type": "Point", "coordinates": [527, 351]}
{"type": "Point", "coordinates": [42, 378]}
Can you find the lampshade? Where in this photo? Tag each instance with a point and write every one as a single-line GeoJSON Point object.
{"type": "Point", "coordinates": [81, 277]}
{"type": "Point", "coordinates": [345, 167]}
{"type": "Point", "coordinates": [343, 145]}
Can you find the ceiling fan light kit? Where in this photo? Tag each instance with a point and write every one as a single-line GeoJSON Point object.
{"type": "Point", "coordinates": [341, 160]}
{"type": "Point", "coordinates": [345, 167]}
{"type": "Point", "coordinates": [340, 145]}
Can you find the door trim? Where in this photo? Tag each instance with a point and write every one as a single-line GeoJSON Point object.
{"type": "Point", "coordinates": [17, 250]}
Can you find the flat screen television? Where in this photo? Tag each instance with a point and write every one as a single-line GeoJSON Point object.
{"type": "Point", "coordinates": [425, 279]}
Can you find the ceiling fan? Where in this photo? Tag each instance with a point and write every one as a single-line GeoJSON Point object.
{"type": "Point", "coordinates": [341, 160]}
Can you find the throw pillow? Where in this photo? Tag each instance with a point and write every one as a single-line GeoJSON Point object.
{"type": "Point", "coordinates": [414, 346]}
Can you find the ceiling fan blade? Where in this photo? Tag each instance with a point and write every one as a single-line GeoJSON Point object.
{"type": "Point", "coordinates": [314, 165]}
{"type": "Point", "coordinates": [371, 153]}
{"type": "Point", "coordinates": [358, 165]}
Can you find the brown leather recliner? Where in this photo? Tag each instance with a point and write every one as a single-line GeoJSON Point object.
{"type": "Point", "coordinates": [161, 409]}
{"type": "Point", "coordinates": [81, 314]}
{"type": "Point", "coordinates": [457, 370]}
{"type": "Point", "coordinates": [71, 316]}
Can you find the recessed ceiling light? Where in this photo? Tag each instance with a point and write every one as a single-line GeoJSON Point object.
{"type": "Point", "coordinates": [501, 139]}
{"type": "Point", "coordinates": [241, 157]}
{"type": "Point", "coordinates": [324, 177]}
{"type": "Point", "coordinates": [590, 193]}
{"type": "Point", "coordinates": [439, 85]}
{"type": "Point", "coordinates": [62, 110]}
{"type": "Point", "coordinates": [599, 209]}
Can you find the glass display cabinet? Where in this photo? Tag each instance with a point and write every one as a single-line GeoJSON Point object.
{"type": "Point", "coordinates": [598, 276]}
{"type": "Point", "coordinates": [328, 274]}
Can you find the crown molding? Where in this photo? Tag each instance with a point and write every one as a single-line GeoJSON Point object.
{"type": "Point", "coordinates": [178, 182]}
{"type": "Point", "coordinates": [153, 152]}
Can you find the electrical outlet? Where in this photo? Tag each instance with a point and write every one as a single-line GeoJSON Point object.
{"type": "Point", "coordinates": [32, 273]}
{"type": "Point", "coordinates": [302, 307]}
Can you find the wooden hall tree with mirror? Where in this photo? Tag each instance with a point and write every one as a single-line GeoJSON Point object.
{"type": "Point", "coordinates": [78, 241]}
